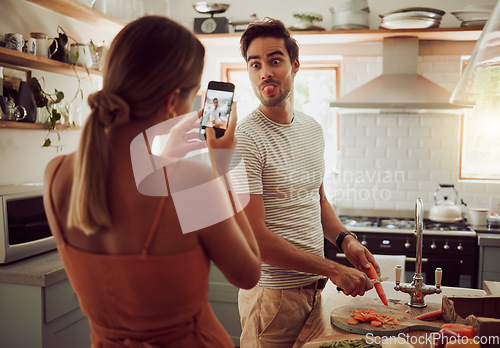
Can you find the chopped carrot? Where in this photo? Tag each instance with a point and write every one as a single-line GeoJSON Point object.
{"type": "Point", "coordinates": [352, 321]}
{"type": "Point", "coordinates": [375, 323]}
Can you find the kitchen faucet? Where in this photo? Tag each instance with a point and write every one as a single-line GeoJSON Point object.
{"type": "Point", "coordinates": [417, 289]}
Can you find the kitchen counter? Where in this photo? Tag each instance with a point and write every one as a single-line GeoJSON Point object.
{"type": "Point", "coordinates": [40, 270]}
{"type": "Point", "coordinates": [318, 328]}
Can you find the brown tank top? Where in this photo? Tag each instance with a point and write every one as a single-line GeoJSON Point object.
{"type": "Point", "coordinates": [143, 300]}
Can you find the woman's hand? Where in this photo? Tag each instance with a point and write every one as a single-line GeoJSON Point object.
{"type": "Point", "coordinates": [183, 138]}
{"type": "Point", "coordinates": [221, 149]}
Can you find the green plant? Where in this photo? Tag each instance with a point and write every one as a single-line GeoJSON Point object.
{"type": "Point", "coordinates": [308, 16]}
{"type": "Point", "coordinates": [52, 101]}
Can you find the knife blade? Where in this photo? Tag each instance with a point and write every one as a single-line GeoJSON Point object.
{"type": "Point", "coordinates": [373, 281]}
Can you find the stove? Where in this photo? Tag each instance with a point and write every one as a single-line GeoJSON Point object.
{"type": "Point", "coordinates": [383, 224]}
{"type": "Point", "coordinates": [451, 246]}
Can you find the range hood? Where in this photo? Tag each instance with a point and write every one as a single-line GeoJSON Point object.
{"type": "Point", "coordinates": [399, 87]}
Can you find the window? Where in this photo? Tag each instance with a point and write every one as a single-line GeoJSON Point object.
{"type": "Point", "coordinates": [480, 142]}
{"type": "Point", "coordinates": [316, 86]}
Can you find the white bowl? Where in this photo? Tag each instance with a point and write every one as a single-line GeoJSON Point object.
{"type": "Point", "coordinates": [350, 20]}
{"type": "Point", "coordinates": [350, 5]}
{"type": "Point", "coordinates": [469, 16]}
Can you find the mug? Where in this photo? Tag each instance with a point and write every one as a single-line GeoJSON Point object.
{"type": "Point", "coordinates": [29, 46]}
{"type": "Point", "coordinates": [42, 45]}
{"type": "Point", "coordinates": [12, 112]}
{"type": "Point", "coordinates": [14, 41]}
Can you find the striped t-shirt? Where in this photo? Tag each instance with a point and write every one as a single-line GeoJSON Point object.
{"type": "Point", "coordinates": [285, 164]}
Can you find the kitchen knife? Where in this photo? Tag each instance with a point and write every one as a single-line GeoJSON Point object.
{"type": "Point", "coordinates": [373, 281]}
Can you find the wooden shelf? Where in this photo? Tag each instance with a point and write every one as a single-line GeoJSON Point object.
{"type": "Point", "coordinates": [39, 126]}
{"type": "Point", "coordinates": [351, 36]}
{"type": "Point", "coordinates": [81, 13]}
{"type": "Point", "coordinates": [30, 61]}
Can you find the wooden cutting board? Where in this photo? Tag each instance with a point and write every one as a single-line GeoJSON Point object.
{"type": "Point", "coordinates": [340, 315]}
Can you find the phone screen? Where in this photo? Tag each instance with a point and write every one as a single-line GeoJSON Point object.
{"type": "Point", "coordinates": [217, 109]}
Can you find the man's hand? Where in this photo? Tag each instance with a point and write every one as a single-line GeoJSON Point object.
{"type": "Point", "coordinates": [351, 281]}
{"type": "Point", "coordinates": [358, 255]}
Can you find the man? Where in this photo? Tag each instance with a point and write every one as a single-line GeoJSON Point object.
{"type": "Point", "coordinates": [215, 113]}
{"type": "Point", "coordinates": [283, 150]}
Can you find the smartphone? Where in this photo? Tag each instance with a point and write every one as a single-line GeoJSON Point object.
{"type": "Point", "coordinates": [217, 108]}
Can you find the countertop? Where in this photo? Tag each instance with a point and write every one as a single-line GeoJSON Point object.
{"type": "Point", "coordinates": [39, 270]}
{"type": "Point", "coordinates": [318, 328]}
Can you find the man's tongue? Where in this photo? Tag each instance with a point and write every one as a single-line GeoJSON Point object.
{"type": "Point", "coordinates": [269, 89]}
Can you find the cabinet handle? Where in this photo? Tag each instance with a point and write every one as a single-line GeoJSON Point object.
{"type": "Point", "coordinates": [410, 259]}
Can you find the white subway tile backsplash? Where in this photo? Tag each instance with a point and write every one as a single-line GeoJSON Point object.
{"type": "Point", "coordinates": [409, 121]}
{"type": "Point", "coordinates": [376, 132]}
{"type": "Point", "coordinates": [354, 131]}
{"type": "Point", "coordinates": [354, 153]}
{"type": "Point", "coordinates": [443, 67]}
{"type": "Point", "coordinates": [408, 143]}
{"type": "Point", "coordinates": [441, 154]}
{"type": "Point", "coordinates": [398, 132]}
{"type": "Point", "coordinates": [366, 120]}
{"type": "Point", "coordinates": [420, 132]}
{"type": "Point", "coordinates": [387, 120]}
{"type": "Point", "coordinates": [430, 121]}
{"type": "Point", "coordinates": [429, 164]}
{"type": "Point", "coordinates": [419, 175]}
{"type": "Point", "coordinates": [397, 153]}
{"type": "Point", "coordinates": [365, 142]}
{"type": "Point", "coordinates": [430, 143]}
{"type": "Point", "coordinates": [408, 164]}
{"type": "Point", "coordinates": [347, 120]}
{"type": "Point", "coordinates": [418, 153]}
{"type": "Point", "coordinates": [385, 164]}
{"type": "Point", "coordinates": [374, 153]}
{"type": "Point", "coordinates": [365, 163]}
{"type": "Point", "coordinates": [386, 142]}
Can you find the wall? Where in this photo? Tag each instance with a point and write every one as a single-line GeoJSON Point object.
{"type": "Point", "coordinates": [22, 160]}
{"type": "Point", "coordinates": [388, 160]}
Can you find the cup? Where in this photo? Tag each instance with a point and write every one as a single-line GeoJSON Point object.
{"type": "Point", "coordinates": [42, 45]}
{"type": "Point", "coordinates": [12, 112]}
{"type": "Point", "coordinates": [29, 46]}
{"type": "Point", "coordinates": [14, 41]}
{"type": "Point", "coordinates": [81, 52]}
{"type": "Point", "coordinates": [477, 216]}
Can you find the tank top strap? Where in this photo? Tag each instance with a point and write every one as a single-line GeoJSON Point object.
{"type": "Point", "coordinates": [156, 221]}
{"type": "Point", "coordinates": [51, 199]}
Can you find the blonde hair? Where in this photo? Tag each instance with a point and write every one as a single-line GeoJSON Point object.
{"type": "Point", "coordinates": [148, 60]}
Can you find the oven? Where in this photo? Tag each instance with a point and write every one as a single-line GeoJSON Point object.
{"type": "Point", "coordinates": [452, 247]}
{"type": "Point", "coordinates": [24, 229]}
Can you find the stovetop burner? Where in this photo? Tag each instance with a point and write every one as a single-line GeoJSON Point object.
{"type": "Point", "coordinates": [402, 223]}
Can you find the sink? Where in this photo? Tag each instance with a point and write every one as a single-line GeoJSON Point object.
{"type": "Point", "coordinates": [434, 298]}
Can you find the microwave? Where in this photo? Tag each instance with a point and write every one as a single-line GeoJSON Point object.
{"type": "Point", "coordinates": [24, 229]}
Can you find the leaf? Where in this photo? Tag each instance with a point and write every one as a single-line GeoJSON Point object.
{"type": "Point", "coordinates": [46, 143]}
{"type": "Point", "coordinates": [56, 115]}
{"type": "Point", "coordinates": [59, 96]}
{"type": "Point", "coordinates": [63, 39]}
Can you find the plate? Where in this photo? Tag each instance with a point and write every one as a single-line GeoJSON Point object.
{"type": "Point", "coordinates": [469, 16]}
{"type": "Point", "coordinates": [410, 23]}
{"type": "Point", "coordinates": [412, 9]}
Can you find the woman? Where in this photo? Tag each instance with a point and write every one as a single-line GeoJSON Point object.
{"type": "Point", "coordinates": [139, 279]}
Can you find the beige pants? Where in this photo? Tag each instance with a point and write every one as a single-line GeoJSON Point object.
{"type": "Point", "coordinates": [272, 317]}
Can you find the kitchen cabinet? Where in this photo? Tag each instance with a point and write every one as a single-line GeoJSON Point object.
{"type": "Point", "coordinates": [489, 249]}
{"type": "Point", "coordinates": [223, 298]}
{"type": "Point", "coordinates": [38, 307]}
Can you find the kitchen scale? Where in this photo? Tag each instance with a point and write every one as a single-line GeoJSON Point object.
{"type": "Point", "coordinates": [212, 25]}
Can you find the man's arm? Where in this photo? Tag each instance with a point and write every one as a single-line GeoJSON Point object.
{"type": "Point", "coordinates": [356, 253]}
{"type": "Point", "coordinates": [276, 251]}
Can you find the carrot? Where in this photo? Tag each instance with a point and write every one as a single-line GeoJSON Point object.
{"type": "Point", "coordinates": [352, 321]}
{"type": "Point", "coordinates": [375, 323]}
{"type": "Point", "coordinates": [431, 315]}
{"type": "Point", "coordinates": [372, 274]}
